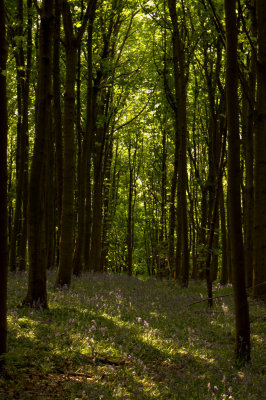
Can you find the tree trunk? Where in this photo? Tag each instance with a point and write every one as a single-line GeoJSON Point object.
{"type": "Point", "coordinates": [37, 292]}
{"type": "Point", "coordinates": [72, 44]}
{"type": "Point", "coordinates": [224, 267]}
{"type": "Point", "coordinates": [172, 213]}
{"type": "Point", "coordinates": [57, 125]}
{"type": "Point", "coordinates": [259, 271]}
{"type": "Point", "coordinates": [162, 234]}
{"type": "Point", "coordinates": [22, 250]}
{"type": "Point", "coordinates": [234, 200]}
{"type": "Point", "coordinates": [20, 66]}
{"type": "Point", "coordinates": [3, 187]}
{"type": "Point", "coordinates": [67, 221]}
{"type": "Point", "coordinates": [181, 127]}
{"type": "Point", "coordinates": [81, 177]}
{"type": "Point", "coordinates": [79, 256]}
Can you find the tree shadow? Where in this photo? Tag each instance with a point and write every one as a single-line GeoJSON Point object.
{"type": "Point", "coordinates": [130, 362]}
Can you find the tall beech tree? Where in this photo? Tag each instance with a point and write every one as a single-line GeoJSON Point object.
{"type": "Point", "coordinates": [234, 200]}
{"type": "Point", "coordinates": [24, 65]}
{"type": "Point", "coordinates": [182, 252]}
{"type": "Point", "coordinates": [72, 42]}
{"type": "Point", "coordinates": [3, 186]}
{"type": "Point", "coordinates": [57, 114]}
{"type": "Point", "coordinates": [259, 270]}
{"type": "Point", "coordinates": [37, 291]}
{"type": "Point", "coordinates": [79, 256]}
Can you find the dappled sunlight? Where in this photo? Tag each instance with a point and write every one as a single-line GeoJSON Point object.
{"type": "Point", "coordinates": [117, 337]}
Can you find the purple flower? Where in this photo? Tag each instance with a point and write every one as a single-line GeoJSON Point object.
{"type": "Point", "coordinates": [146, 324]}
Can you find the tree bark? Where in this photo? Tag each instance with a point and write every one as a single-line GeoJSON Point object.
{"type": "Point", "coordinates": [3, 186]}
{"type": "Point", "coordinates": [234, 200]}
{"type": "Point", "coordinates": [81, 256]}
{"type": "Point", "coordinates": [181, 126]}
{"type": "Point", "coordinates": [20, 67]}
{"type": "Point", "coordinates": [57, 124]}
{"type": "Point", "coordinates": [259, 269]}
{"type": "Point", "coordinates": [72, 43]}
{"type": "Point", "coordinates": [37, 291]}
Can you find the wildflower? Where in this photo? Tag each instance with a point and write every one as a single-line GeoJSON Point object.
{"type": "Point", "coordinates": [215, 387]}
{"type": "Point", "coordinates": [139, 320]}
{"type": "Point", "coordinates": [230, 389]}
{"type": "Point", "coordinates": [209, 386]}
{"type": "Point", "coordinates": [146, 324]}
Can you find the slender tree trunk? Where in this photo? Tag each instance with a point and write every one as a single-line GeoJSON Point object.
{"type": "Point", "coordinates": [97, 218]}
{"type": "Point", "coordinates": [130, 221]}
{"type": "Point", "coordinates": [81, 176]}
{"type": "Point", "coordinates": [64, 272]}
{"type": "Point", "coordinates": [78, 262]}
{"type": "Point", "coordinates": [214, 217]}
{"type": "Point", "coordinates": [72, 44]}
{"type": "Point", "coordinates": [224, 268]}
{"type": "Point", "coordinates": [181, 126]}
{"type": "Point", "coordinates": [3, 187]}
{"type": "Point", "coordinates": [162, 235]}
{"type": "Point", "coordinates": [172, 212]}
{"type": "Point", "coordinates": [57, 124]}
{"type": "Point", "coordinates": [259, 271]}
{"type": "Point", "coordinates": [20, 66]}
{"type": "Point", "coordinates": [37, 292]}
{"type": "Point", "coordinates": [234, 201]}
{"type": "Point", "coordinates": [22, 249]}
{"type": "Point", "coordinates": [107, 201]}
{"type": "Point", "coordinates": [50, 211]}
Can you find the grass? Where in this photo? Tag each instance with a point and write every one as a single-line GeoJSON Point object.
{"type": "Point", "coordinates": [115, 337]}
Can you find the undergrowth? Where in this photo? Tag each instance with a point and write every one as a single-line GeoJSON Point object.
{"type": "Point", "coordinates": [115, 337]}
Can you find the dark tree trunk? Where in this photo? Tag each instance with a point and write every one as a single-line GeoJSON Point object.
{"type": "Point", "coordinates": [224, 267]}
{"type": "Point", "coordinates": [259, 271]}
{"type": "Point", "coordinates": [81, 176]}
{"type": "Point", "coordinates": [162, 234]}
{"type": "Point", "coordinates": [79, 256]}
{"type": "Point", "coordinates": [72, 44]}
{"type": "Point", "coordinates": [172, 213]}
{"type": "Point", "coordinates": [67, 220]}
{"type": "Point", "coordinates": [20, 66]}
{"type": "Point", "coordinates": [57, 124]}
{"type": "Point", "coordinates": [181, 127]}
{"type": "Point", "coordinates": [97, 218]}
{"type": "Point", "coordinates": [37, 292]}
{"type": "Point", "coordinates": [22, 249]}
{"type": "Point", "coordinates": [234, 201]}
{"type": "Point", "coordinates": [3, 187]}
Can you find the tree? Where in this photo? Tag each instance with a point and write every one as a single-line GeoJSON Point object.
{"type": "Point", "coordinates": [3, 186]}
{"type": "Point", "coordinates": [72, 43]}
{"type": "Point", "coordinates": [234, 201]}
{"type": "Point", "coordinates": [182, 257]}
{"type": "Point", "coordinates": [24, 65]}
{"type": "Point", "coordinates": [37, 291]}
{"type": "Point", "coordinates": [85, 150]}
{"type": "Point", "coordinates": [259, 270]}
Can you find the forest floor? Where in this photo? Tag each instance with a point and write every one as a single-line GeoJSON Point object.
{"type": "Point", "coordinates": [115, 337]}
